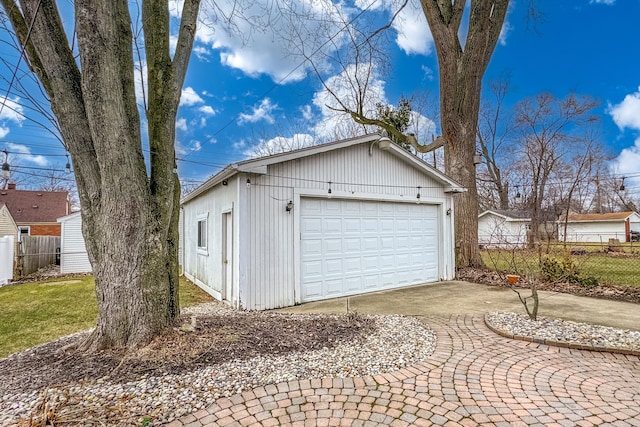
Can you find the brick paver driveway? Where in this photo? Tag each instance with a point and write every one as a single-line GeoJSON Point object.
{"type": "Point", "coordinates": [474, 378]}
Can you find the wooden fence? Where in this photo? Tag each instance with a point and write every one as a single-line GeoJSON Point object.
{"type": "Point", "coordinates": [36, 252]}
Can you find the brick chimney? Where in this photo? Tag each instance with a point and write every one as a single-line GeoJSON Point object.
{"type": "Point", "coordinates": [11, 186]}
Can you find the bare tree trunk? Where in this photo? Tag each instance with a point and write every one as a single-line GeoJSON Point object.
{"type": "Point", "coordinates": [461, 72]}
{"type": "Point", "coordinates": [130, 219]}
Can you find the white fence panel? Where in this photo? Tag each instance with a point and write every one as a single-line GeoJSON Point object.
{"type": "Point", "coordinates": [6, 259]}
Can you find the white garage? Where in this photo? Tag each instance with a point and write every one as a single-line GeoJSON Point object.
{"type": "Point", "coordinates": [336, 219]}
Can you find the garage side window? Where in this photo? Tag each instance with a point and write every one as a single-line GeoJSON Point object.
{"type": "Point", "coordinates": [202, 233]}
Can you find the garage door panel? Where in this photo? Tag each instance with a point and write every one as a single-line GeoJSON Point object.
{"type": "Point", "coordinates": [349, 247]}
{"type": "Point", "coordinates": [351, 225]}
{"type": "Point", "coordinates": [311, 247]}
{"type": "Point", "coordinates": [352, 244]}
{"type": "Point", "coordinates": [370, 244]}
{"type": "Point", "coordinates": [332, 226]}
{"type": "Point", "coordinates": [333, 246]}
{"type": "Point", "coordinates": [333, 267]}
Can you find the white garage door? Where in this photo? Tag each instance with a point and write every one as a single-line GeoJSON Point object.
{"type": "Point", "coordinates": [350, 247]}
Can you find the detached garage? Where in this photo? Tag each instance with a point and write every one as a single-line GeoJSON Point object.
{"type": "Point", "coordinates": [345, 218]}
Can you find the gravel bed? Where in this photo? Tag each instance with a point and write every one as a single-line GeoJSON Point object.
{"type": "Point", "coordinates": [396, 342]}
{"type": "Point", "coordinates": [565, 331]}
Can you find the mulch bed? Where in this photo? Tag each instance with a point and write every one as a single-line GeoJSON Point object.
{"type": "Point", "coordinates": [214, 339]}
{"type": "Point", "coordinates": [612, 292]}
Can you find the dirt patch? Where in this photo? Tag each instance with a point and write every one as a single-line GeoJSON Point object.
{"type": "Point", "coordinates": [611, 292]}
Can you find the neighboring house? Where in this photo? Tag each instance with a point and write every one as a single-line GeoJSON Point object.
{"type": "Point", "coordinates": [345, 218]}
{"type": "Point", "coordinates": [599, 227]}
{"type": "Point", "coordinates": [8, 226]}
{"type": "Point", "coordinates": [73, 252]}
{"type": "Point", "coordinates": [35, 213]}
{"type": "Point", "coordinates": [500, 228]}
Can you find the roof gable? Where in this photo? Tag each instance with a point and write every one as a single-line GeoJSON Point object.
{"type": "Point", "coordinates": [508, 215]}
{"type": "Point", "coordinates": [28, 206]}
{"type": "Point", "coordinates": [260, 165]}
{"type": "Point", "coordinates": [614, 216]}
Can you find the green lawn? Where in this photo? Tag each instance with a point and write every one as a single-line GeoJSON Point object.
{"type": "Point", "coordinates": [608, 269]}
{"type": "Point", "coordinates": [38, 312]}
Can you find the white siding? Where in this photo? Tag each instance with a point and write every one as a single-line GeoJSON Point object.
{"type": "Point", "coordinates": [205, 267]}
{"type": "Point", "coordinates": [8, 226]}
{"type": "Point", "coordinates": [495, 231]}
{"type": "Point", "coordinates": [73, 252]}
{"type": "Point", "coordinates": [597, 231]}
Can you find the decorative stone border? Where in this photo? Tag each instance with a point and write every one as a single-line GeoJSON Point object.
{"type": "Point", "coordinates": [562, 344]}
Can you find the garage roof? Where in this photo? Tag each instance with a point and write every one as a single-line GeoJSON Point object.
{"type": "Point", "coordinates": [260, 164]}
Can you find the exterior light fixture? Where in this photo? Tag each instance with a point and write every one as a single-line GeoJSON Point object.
{"type": "Point", "coordinates": [449, 211]}
{"type": "Point", "coordinates": [329, 191]}
{"type": "Point", "coordinates": [67, 167]}
{"type": "Point", "coordinates": [384, 143]}
{"type": "Point", "coordinates": [6, 169]}
{"type": "Point", "coordinates": [289, 207]}
{"type": "Point", "coordinates": [248, 183]}
{"type": "Point", "coordinates": [418, 195]}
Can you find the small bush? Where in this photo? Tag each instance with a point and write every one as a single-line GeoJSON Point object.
{"type": "Point", "coordinates": [564, 269]}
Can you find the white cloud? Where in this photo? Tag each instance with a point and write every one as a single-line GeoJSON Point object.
{"type": "Point", "coordinates": [202, 53]}
{"type": "Point", "coordinates": [181, 124]}
{"type": "Point", "coordinates": [607, 2]}
{"type": "Point", "coordinates": [627, 113]}
{"type": "Point", "coordinates": [26, 154]}
{"type": "Point", "coordinates": [189, 97]}
{"type": "Point", "coordinates": [208, 110]}
{"type": "Point", "coordinates": [414, 35]}
{"type": "Point", "coordinates": [307, 112]}
{"type": "Point", "coordinates": [279, 144]}
{"type": "Point", "coordinates": [334, 125]}
{"type": "Point", "coordinates": [11, 110]}
{"type": "Point", "coordinates": [185, 150]}
{"type": "Point", "coordinates": [3, 131]}
{"type": "Point", "coordinates": [262, 112]}
{"type": "Point", "coordinates": [256, 45]}
{"type": "Point", "coordinates": [628, 162]}
{"type": "Point", "coordinates": [140, 76]}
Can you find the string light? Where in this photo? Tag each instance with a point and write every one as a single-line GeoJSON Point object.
{"type": "Point", "coordinates": [67, 167]}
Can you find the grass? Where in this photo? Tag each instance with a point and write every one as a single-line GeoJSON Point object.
{"type": "Point", "coordinates": [613, 270]}
{"type": "Point", "coordinates": [38, 312]}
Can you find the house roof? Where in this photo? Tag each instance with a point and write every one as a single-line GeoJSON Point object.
{"type": "Point", "coordinates": [28, 206]}
{"type": "Point", "coordinates": [614, 216]}
{"type": "Point", "coordinates": [260, 164]}
{"type": "Point", "coordinates": [508, 215]}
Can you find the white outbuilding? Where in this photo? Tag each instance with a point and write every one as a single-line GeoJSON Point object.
{"type": "Point", "coordinates": [503, 229]}
{"type": "Point", "coordinates": [73, 252]}
{"type": "Point", "coordinates": [599, 227]}
{"type": "Point", "coordinates": [344, 218]}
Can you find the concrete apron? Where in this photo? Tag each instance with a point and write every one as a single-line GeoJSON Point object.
{"type": "Point", "coordinates": [456, 298]}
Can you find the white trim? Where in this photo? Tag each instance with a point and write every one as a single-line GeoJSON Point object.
{"type": "Point", "coordinates": [217, 295]}
{"type": "Point", "coordinates": [202, 250]}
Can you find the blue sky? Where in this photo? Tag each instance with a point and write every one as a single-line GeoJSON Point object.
{"type": "Point", "coordinates": [243, 91]}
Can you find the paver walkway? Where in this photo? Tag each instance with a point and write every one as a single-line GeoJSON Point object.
{"type": "Point", "coordinates": [474, 377]}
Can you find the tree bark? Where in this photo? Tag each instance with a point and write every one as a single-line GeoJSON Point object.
{"type": "Point", "coordinates": [130, 219]}
{"type": "Point", "coordinates": [461, 72]}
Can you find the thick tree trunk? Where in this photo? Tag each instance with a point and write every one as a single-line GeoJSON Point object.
{"type": "Point", "coordinates": [461, 72]}
{"type": "Point", "coordinates": [130, 219]}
